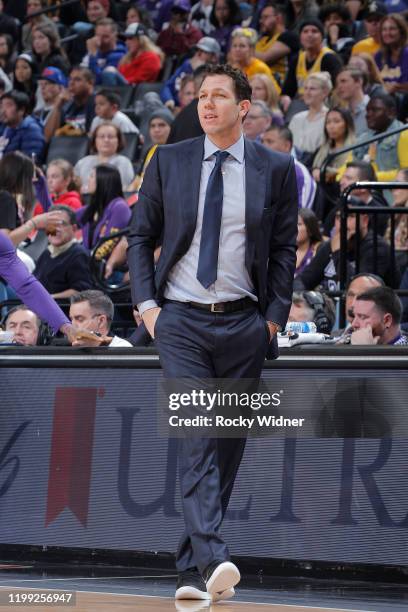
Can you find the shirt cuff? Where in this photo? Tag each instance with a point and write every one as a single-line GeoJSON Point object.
{"type": "Point", "coordinates": [147, 305]}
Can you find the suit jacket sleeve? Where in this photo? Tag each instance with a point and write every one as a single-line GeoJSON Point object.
{"type": "Point", "coordinates": [282, 251]}
{"type": "Point", "coordinates": [145, 229]}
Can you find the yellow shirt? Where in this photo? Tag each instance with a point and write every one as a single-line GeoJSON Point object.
{"type": "Point", "coordinates": [257, 66]}
{"type": "Point", "coordinates": [302, 72]}
{"type": "Point", "coordinates": [263, 45]}
{"type": "Point", "coordinates": [367, 45]}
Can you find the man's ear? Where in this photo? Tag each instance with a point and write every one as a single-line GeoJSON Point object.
{"type": "Point", "coordinates": [387, 320]}
{"type": "Point", "coordinates": [244, 107]}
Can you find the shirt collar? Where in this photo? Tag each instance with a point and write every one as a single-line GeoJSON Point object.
{"type": "Point", "coordinates": [236, 150]}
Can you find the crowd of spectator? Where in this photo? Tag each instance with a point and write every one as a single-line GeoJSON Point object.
{"type": "Point", "coordinates": [89, 90]}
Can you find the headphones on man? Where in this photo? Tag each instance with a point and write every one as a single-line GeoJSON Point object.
{"type": "Point", "coordinates": [316, 301]}
{"type": "Point", "coordinates": [45, 333]}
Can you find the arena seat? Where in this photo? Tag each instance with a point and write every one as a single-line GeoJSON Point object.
{"type": "Point", "coordinates": [125, 92]}
{"type": "Point", "coordinates": [71, 148]}
{"type": "Point", "coordinates": [132, 145]}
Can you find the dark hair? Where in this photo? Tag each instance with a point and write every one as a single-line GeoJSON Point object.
{"type": "Point", "coordinates": [366, 170]}
{"type": "Point", "coordinates": [52, 34]}
{"type": "Point", "coordinates": [235, 16]}
{"type": "Point", "coordinates": [66, 209]}
{"type": "Point", "coordinates": [111, 96]}
{"type": "Point", "coordinates": [28, 87]}
{"type": "Point", "coordinates": [387, 99]}
{"type": "Point", "coordinates": [108, 187]}
{"type": "Point", "coordinates": [10, 43]}
{"type": "Point", "coordinates": [121, 138]}
{"type": "Point", "coordinates": [386, 300]}
{"type": "Point", "coordinates": [144, 16]}
{"type": "Point", "coordinates": [16, 176]}
{"type": "Point", "coordinates": [279, 9]}
{"type": "Point", "coordinates": [22, 307]}
{"type": "Point", "coordinates": [401, 24]}
{"type": "Point", "coordinates": [98, 301]}
{"type": "Point", "coordinates": [107, 21]}
{"type": "Point", "coordinates": [312, 225]}
{"type": "Point", "coordinates": [283, 131]}
{"type": "Point", "coordinates": [347, 118]}
{"type": "Point", "coordinates": [329, 9]}
{"type": "Point", "coordinates": [85, 72]}
{"type": "Point", "coordinates": [243, 90]}
{"type": "Point", "coordinates": [20, 99]}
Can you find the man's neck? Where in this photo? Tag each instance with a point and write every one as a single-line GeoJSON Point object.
{"type": "Point", "coordinates": [224, 141]}
{"type": "Point", "coordinates": [81, 100]}
{"type": "Point", "coordinates": [390, 335]}
{"type": "Point", "coordinates": [311, 54]}
{"type": "Point", "coordinates": [357, 99]}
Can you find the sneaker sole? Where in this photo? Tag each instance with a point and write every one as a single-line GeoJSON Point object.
{"type": "Point", "coordinates": [227, 594]}
{"type": "Point", "coordinates": [190, 592]}
{"type": "Point", "coordinates": [225, 576]}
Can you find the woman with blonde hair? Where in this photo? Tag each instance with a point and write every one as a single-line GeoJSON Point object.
{"type": "Point", "coordinates": [263, 89]}
{"type": "Point", "coordinates": [307, 126]}
{"type": "Point", "coordinates": [141, 64]}
{"type": "Point", "coordinates": [242, 55]}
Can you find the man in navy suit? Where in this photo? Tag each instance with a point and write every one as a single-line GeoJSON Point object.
{"type": "Point", "coordinates": [226, 209]}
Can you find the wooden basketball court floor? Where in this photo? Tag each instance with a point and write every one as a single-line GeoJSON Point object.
{"type": "Point", "coordinates": [153, 591]}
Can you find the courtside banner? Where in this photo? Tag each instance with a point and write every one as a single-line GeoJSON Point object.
{"type": "Point", "coordinates": [83, 464]}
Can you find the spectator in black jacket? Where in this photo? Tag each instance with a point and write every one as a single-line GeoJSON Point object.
{"type": "Point", "coordinates": [63, 268]}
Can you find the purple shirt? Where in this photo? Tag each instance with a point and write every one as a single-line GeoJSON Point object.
{"type": "Point", "coordinates": [27, 287]}
{"type": "Point", "coordinates": [116, 216]}
{"type": "Point", "coordinates": [393, 72]}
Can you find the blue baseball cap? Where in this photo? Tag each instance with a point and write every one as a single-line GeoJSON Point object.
{"type": "Point", "coordinates": [54, 75]}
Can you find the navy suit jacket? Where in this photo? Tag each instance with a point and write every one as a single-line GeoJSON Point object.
{"type": "Point", "coordinates": [167, 207]}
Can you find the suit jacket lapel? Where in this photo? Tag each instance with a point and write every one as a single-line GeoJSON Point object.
{"type": "Point", "coordinates": [189, 175]}
{"type": "Point", "coordinates": [255, 191]}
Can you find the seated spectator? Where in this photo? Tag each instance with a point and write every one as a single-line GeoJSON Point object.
{"type": "Point", "coordinates": [359, 283]}
{"type": "Point", "coordinates": [313, 306]}
{"type": "Point", "coordinates": [313, 58]}
{"type": "Point", "coordinates": [18, 191]}
{"type": "Point", "coordinates": [242, 55]}
{"type": "Point", "coordinates": [47, 48]}
{"type": "Point", "coordinates": [307, 126]}
{"type": "Point", "coordinates": [377, 318]}
{"type": "Point", "coordinates": [107, 211]}
{"type": "Point", "coordinates": [33, 6]}
{"type": "Point", "coordinates": [61, 184]}
{"type": "Point", "coordinates": [104, 50]}
{"type": "Point", "coordinates": [74, 109]}
{"type": "Point", "coordinates": [19, 130]}
{"type": "Point", "coordinates": [107, 105]}
{"type": "Point", "coordinates": [372, 79]}
{"type": "Point", "coordinates": [263, 89]}
{"type": "Point", "coordinates": [225, 17]}
{"type": "Point", "coordinates": [24, 324]}
{"type": "Point", "coordinates": [8, 24]}
{"type": "Point", "coordinates": [63, 268]}
{"type": "Point", "coordinates": [142, 62]}
{"type": "Point", "coordinates": [7, 53]}
{"type": "Point", "coordinates": [105, 145]}
{"type": "Point", "coordinates": [52, 83]}
{"type": "Point", "coordinates": [350, 92]}
{"type": "Point", "coordinates": [93, 311]}
{"type": "Point", "coordinates": [371, 15]}
{"type": "Point", "coordinates": [336, 19]}
{"type": "Point", "coordinates": [400, 199]}
{"type": "Point", "coordinates": [280, 139]}
{"type": "Point", "coordinates": [389, 154]}
{"type": "Point", "coordinates": [186, 124]}
{"type": "Point", "coordinates": [136, 14]}
{"type": "Point", "coordinates": [277, 44]}
{"type": "Point", "coordinates": [25, 77]}
{"type": "Point", "coordinates": [392, 58]}
{"type": "Point", "coordinates": [207, 52]}
{"type": "Point", "coordinates": [180, 36]}
{"type": "Point", "coordinates": [257, 121]}
{"type": "Point", "coordinates": [323, 270]}
{"type": "Point", "coordinates": [308, 240]}
{"type": "Point", "coordinates": [200, 16]}
{"type": "Point", "coordinates": [338, 133]}
{"type": "Point", "coordinates": [186, 93]}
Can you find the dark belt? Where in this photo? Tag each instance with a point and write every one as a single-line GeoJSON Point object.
{"type": "Point", "coordinates": [220, 307]}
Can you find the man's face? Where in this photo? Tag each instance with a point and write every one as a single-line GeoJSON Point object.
{"type": "Point", "coordinates": [64, 230]}
{"type": "Point", "coordinates": [273, 140]}
{"type": "Point", "coordinates": [366, 314]}
{"type": "Point", "coordinates": [49, 90]}
{"type": "Point", "coordinates": [357, 287]}
{"type": "Point", "coordinates": [103, 108]}
{"type": "Point", "coordinates": [10, 114]}
{"type": "Point", "coordinates": [33, 6]}
{"type": "Point", "coordinates": [106, 36]}
{"type": "Point", "coordinates": [346, 86]}
{"type": "Point", "coordinates": [95, 11]}
{"type": "Point", "coordinates": [159, 130]}
{"type": "Point", "coordinates": [350, 176]}
{"type": "Point", "coordinates": [378, 115]}
{"type": "Point", "coordinates": [267, 21]}
{"type": "Point", "coordinates": [78, 85]}
{"type": "Point", "coordinates": [310, 37]}
{"type": "Point", "coordinates": [24, 325]}
{"type": "Point", "coordinates": [85, 317]}
{"type": "Point", "coordinates": [372, 26]}
{"type": "Point", "coordinates": [256, 123]}
{"type": "Point", "coordinates": [218, 110]}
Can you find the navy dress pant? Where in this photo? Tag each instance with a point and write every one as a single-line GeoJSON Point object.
{"type": "Point", "coordinates": [199, 344]}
